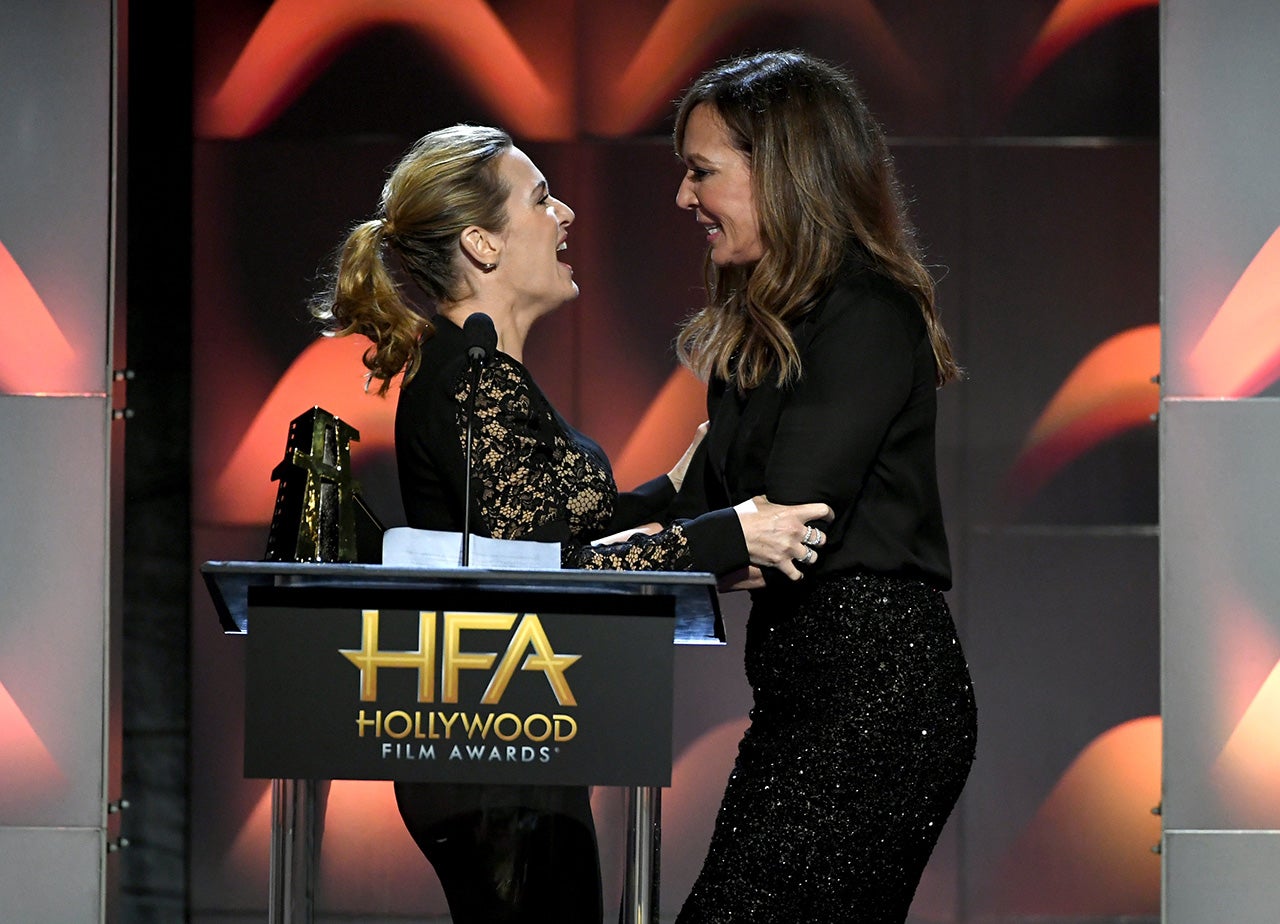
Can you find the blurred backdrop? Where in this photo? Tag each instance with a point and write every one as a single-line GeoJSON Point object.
{"type": "Point", "coordinates": [1026, 136]}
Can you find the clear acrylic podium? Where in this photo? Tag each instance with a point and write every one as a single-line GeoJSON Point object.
{"type": "Point", "coordinates": [621, 626]}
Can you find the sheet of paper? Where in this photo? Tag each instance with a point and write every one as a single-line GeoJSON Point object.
{"type": "Point", "coordinates": [403, 547]}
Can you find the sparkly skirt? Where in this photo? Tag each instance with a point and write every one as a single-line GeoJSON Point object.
{"type": "Point", "coordinates": [862, 734]}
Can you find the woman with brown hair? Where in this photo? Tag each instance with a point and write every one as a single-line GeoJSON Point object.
{"type": "Point", "coordinates": [823, 348]}
{"type": "Point", "coordinates": [469, 219]}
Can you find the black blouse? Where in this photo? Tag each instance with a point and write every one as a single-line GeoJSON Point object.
{"type": "Point", "coordinates": [534, 476]}
{"type": "Point", "coordinates": [855, 432]}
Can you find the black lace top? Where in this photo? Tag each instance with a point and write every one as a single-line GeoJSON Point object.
{"type": "Point", "coordinates": [533, 475]}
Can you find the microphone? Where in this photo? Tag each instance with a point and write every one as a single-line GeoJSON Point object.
{"type": "Point", "coordinates": [481, 339]}
{"type": "Point", "coordinates": [480, 336]}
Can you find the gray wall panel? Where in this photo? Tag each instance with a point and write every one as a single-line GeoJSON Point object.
{"type": "Point", "coordinates": [55, 174]}
{"type": "Point", "coordinates": [53, 609]}
{"type": "Point", "coordinates": [50, 875]}
{"type": "Point", "coordinates": [1227, 876]}
{"type": "Point", "coordinates": [1220, 584]}
{"type": "Point", "coordinates": [1221, 199]}
{"type": "Point", "coordinates": [1221, 604]}
{"type": "Point", "coordinates": [56, 188]}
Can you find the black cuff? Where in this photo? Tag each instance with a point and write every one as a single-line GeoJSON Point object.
{"type": "Point", "coordinates": [716, 541]}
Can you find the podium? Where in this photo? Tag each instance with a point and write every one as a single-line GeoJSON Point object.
{"type": "Point", "coordinates": [358, 671]}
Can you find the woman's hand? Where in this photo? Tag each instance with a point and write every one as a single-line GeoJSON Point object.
{"type": "Point", "coordinates": [677, 474]}
{"type": "Point", "coordinates": [779, 536]}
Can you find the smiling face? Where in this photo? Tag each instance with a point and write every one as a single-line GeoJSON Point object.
{"type": "Point", "coordinates": [537, 228]}
{"type": "Point", "coordinates": [717, 189]}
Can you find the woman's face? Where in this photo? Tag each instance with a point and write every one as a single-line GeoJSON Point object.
{"type": "Point", "coordinates": [537, 228]}
{"type": "Point", "coordinates": [717, 189]}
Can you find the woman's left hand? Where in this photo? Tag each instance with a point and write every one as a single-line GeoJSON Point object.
{"type": "Point", "coordinates": [779, 535]}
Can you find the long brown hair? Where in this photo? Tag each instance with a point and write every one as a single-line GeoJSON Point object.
{"type": "Point", "coordinates": [824, 185]}
{"type": "Point", "coordinates": [446, 182]}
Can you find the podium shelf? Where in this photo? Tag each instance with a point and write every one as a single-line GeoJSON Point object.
{"type": "Point", "coordinates": [697, 607]}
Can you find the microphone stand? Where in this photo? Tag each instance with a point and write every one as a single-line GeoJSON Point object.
{"type": "Point", "coordinates": [477, 363]}
{"type": "Point", "coordinates": [481, 340]}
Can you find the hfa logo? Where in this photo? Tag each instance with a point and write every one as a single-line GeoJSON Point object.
{"type": "Point", "coordinates": [369, 658]}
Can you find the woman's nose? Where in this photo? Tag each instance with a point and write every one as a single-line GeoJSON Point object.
{"type": "Point", "coordinates": [685, 197]}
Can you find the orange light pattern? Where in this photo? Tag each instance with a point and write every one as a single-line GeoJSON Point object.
{"type": "Point", "coordinates": [686, 31]}
{"type": "Point", "coordinates": [1245, 667]}
{"type": "Point", "coordinates": [1069, 23]}
{"type": "Point", "coordinates": [1246, 646]}
{"type": "Point", "coordinates": [1087, 850]}
{"type": "Point", "coordinates": [1109, 392]}
{"type": "Point", "coordinates": [367, 858]}
{"type": "Point", "coordinates": [1247, 772]}
{"type": "Point", "coordinates": [370, 856]}
{"type": "Point", "coordinates": [35, 357]}
{"type": "Point", "coordinates": [28, 771]}
{"type": "Point", "coordinates": [1239, 353]}
{"type": "Point", "coordinates": [297, 39]}
{"type": "Point", "coordinates": [664, 431]}
{"type": "Point", "coordinates": [252, 843]}
{"type": "Point", "coordinates": [328, 374]}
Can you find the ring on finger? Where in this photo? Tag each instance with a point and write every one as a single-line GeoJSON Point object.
{"type": "Point", "coordinates": [809, 532]}
{"type": "Point", "coordinates": [809, 557]}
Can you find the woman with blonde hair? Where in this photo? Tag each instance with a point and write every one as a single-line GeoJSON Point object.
{"type": "Point", "coordinates": [469, 219]}
{"type": "Point", "coordinates": [823, 348]}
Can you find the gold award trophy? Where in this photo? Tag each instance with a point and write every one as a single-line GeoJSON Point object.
{"type": "Point", "coordinates": [320, 515]}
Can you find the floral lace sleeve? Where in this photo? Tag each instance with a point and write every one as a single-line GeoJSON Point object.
{"type": "Point", "coordinates": [532, 480]}
{"type": "Point", "coordinates": [665, 551]}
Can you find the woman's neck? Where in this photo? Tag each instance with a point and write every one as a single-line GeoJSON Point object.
{"type": "Point", "coordinates": [512, 330]}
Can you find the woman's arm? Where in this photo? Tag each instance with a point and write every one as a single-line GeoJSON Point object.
{"type": "Point", "coordinates": [756, 532]}
{"type": "Point", "coordinates": [518, 495]}
{"type": "Point", "coordinates": [521, 487]}
{"type": "Point", "coordinates": [735, 542]}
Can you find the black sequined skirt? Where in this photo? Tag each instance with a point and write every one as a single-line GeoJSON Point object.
{"type": "Point", "coordinates": [862, 734]}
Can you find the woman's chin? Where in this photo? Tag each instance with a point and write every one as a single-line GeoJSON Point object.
{"type": "Point", "coordinates": [567, 295]}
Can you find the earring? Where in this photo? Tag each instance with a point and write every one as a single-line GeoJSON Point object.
{"type": "Point", "coordinates": [490, 267]}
